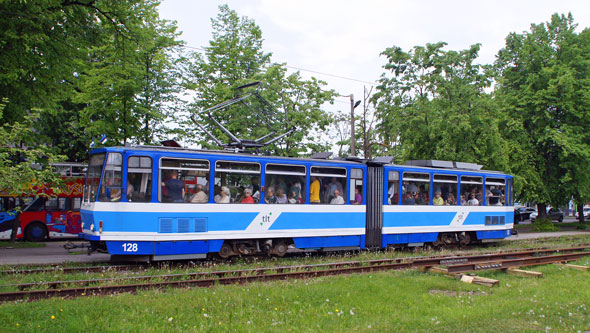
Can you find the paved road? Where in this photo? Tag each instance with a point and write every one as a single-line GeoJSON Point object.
{"type": "Point", "coordinates": [531, 235]}
{"type": "Point", "coordinates": [52, 253]}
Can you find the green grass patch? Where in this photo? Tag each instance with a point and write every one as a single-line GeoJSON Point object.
{"type": "Point", "coordinates": [388, 301]}
{"type": "Point", "coordinates": [544, 225]}
{"type": "Point", "coordinates": [20, 244]}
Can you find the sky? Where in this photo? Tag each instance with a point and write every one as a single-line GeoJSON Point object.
{"type": "Point", "coordinates": [340, 41]}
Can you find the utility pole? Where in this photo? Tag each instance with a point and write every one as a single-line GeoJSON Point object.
{"type": "Point", "coordinates": [352, 138]}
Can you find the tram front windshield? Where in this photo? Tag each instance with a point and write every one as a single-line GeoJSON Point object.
{"type": "Point", "coordinates": [93, 177]}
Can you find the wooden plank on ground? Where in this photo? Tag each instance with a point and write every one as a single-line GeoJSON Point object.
{"type": "Point", "coordinates": [520, 272]}
{"type": "Point", "coordinates": [578, 267]}
{"type": "Point", "coordinates": [478, 280]}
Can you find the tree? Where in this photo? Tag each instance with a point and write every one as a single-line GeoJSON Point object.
{"type": "Point", "coordinates": [432, 104]}
{"type": "Point", "coordinates": [234, 58]}
{"type": "Point", "coordinates": [544, 90]}
{"type": "Point", "coordinates": [131, 79]}
{"type": "Point", "coordinates": [21, 159]}
{"type": "Point", "coordinates": [89, 67]}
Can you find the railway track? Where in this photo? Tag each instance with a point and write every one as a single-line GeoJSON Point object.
{"type": "Point", "coordinates": [454, 264]}
{"type": "Point", "coordinates": [61, 269]}
{"type": "Point", "coordinates": [133, 267]}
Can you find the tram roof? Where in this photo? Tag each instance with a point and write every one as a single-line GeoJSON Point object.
{"type": "Point", "coordinates": [429, 165]}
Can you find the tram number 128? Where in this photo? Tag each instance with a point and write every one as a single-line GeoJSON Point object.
{"type": "Point", "coordinates": [129, 247]}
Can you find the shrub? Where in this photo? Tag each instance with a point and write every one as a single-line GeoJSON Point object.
{"type": "Point", "coordinates": [544, 225]}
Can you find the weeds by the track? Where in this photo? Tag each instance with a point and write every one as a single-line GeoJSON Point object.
{"type": "Point", "coordinates": [389, 301]}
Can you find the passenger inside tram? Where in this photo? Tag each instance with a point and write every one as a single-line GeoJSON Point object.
{"type": "Point", "coordinates": [337, 199]}
{"type": "Point", "coordinates": [247, 197]}
{"type": "Point", "coordinates": [223, 196]}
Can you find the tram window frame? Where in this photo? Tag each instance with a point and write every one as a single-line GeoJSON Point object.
{"type": "Point", "coordinates": [472, 183]}
{"type": "Point", "coordinates": [295, 174]}
{"type": "Point", "coordinates": [240, 174]}
{"type": "Point", "coordinates": [448, 191]}
{"type": "Point", "coordinates": [183, 168]}
{"type": "Point", "coordinates": [492, 186]}
{"type": "Point", "coordinates": [325, 175]}
{"type": "Point", "coordinates": [510, 201]}
{"type": "Point", "coordinates": [112, 178]}
{"type": "Point", "coordinates": [94, 173]}
{"type": "Point", "coordinates": [411, 178]}
{"type": "Point", "coordinates": [356, 180]}
{"type": "Point", "coordinates": [143, 168]}
{"type": "Point", "coordinates": [393, 191]}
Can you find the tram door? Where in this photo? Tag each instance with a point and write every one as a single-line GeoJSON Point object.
{"type": "Point", "coordinates": [373, 228]}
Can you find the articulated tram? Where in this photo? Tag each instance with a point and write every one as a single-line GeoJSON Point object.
{"type": "Point", "coordinates": [163, 203]}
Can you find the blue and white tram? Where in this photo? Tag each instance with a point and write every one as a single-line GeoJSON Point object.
{"type": "Point", "coordinates": [157, 203]}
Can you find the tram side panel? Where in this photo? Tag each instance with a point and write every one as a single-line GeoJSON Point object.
{"type": "Point", "coordinates": [410, 220]}
{"type": "Point", "coordinates": [167, 229]}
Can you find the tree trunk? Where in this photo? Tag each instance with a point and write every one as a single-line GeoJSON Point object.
{"type": "Point", "coordinates": [580, 213]}
{"type": "Point", "coordinates": [15, 227]}
{"type": "Point", "coordinates": [541, 210]}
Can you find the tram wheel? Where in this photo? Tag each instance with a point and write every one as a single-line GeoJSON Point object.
{"type": "Point", "coordinates": [226, 251]}
{"type": "Point", "coordinates": [279, 248]}
{"type": "Point", "coordinates": [464, 239]}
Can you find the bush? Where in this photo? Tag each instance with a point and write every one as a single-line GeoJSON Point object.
{"type": "Point", "coordinates": [544, 225]}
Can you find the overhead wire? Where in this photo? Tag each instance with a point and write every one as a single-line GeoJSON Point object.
{"type": "Point", "coordinates": [305, 70]}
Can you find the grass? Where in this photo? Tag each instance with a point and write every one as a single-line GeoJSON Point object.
{"type": "Point", "coordinates": [19, 244]}
{"type": "Point", "coordinates": [247, 263]}
{"type": "Point", "coordinates": [388, 301]}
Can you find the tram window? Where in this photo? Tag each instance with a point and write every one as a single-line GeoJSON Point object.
{"type": "Point", "coordinates": [139, 179]}
{"type": "Point", "coordinates": [93, 177]}
{"type": "Point", "coordinates": [331, 183]}
{"type": "Point", "coordinates": [510, 201]}
{"type": "Point", "coordinates": [284, 184]}
{"type": "Point", "coordinates": [471, 191]}
{"type": "Point", "coordinates": [356, 186]}
{"type": "Point", "coordinates": [416, 188]}
{"type": "Point", "coordinates": [446, 185]}
{"type": "Point", "coordinates": [181, 178]}
{"type": "Point", "coordinates": [393, 188]}
{"type": "Point", "coordinates": [495, 191]}
{"type": "Point", "coordinates": [112, 178]}
{"type": "Point", "coordinates": [240, 179]}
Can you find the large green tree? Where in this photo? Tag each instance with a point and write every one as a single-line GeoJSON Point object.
{"type": "Point", "coordinates": [90, 67]}
{"type": "Point", "coordinates": [129, 87]}
{"type": "Point", "coordinates": [544, 90]}
{"type": "Point", "coordinates": [432, 104]}
{"type": "Point", "coordinates": [235, 57]}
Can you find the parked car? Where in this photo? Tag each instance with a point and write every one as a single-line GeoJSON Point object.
{"type": "Point", "coordinates": [523, 213]}
{"type": "Point", "coordinates": [552, 213]}
{"type": "Point", "coordinates": [586, 213]}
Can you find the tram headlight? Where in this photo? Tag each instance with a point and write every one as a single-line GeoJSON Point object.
{"type": "Point", "coordinates": [100, 227]}
{"type": "Point", "coordinates": [91, 226]}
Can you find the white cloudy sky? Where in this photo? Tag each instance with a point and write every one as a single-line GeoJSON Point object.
{"type": "Point", "coordinates": [344, 37]}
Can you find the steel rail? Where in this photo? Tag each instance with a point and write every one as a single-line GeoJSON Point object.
{"type": "Point", "coordinates": [416, 261]}
{"type": "Point", "coordinates": [517, 262]}
{"type": "Point", "coordinates": [105, 268]}
{"type": "Point", "coordinates": [204, 279]}
{"type": "Point", "coordinates": [70, 269]}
